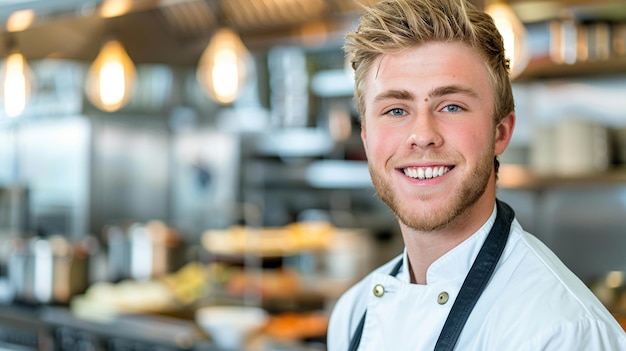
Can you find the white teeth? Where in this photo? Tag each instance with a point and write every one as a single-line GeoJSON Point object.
{"type": "Point", "coordinates": [426, 172]}
{"type": "Point", "coordinates": [429, 172]}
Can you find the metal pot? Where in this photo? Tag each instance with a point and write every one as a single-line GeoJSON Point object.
{"type": "Point", "coordinates": [143, 251]}
{"type": "Point", "coordinates": [47, 270]}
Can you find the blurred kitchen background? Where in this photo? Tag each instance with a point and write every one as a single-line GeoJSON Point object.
{"type": "Point", "coordinates": [161, 158]}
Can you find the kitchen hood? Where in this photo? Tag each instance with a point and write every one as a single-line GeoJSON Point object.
{"type": "Point", "coordinates": [177, 31]}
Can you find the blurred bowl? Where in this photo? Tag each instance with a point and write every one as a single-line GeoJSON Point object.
{"type": "Point", "coordinates": [230, 326]}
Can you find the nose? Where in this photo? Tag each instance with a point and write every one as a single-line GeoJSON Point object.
{"type": "Point", "coordinates": [424, 132]}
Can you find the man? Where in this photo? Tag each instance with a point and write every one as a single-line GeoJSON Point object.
{"type": "Point", "coordinates": [432, 88]}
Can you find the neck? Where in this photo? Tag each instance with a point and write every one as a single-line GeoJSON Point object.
{"type": "Point", "coordinates": [424, 248]}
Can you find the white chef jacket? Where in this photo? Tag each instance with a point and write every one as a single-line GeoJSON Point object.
{"type": "Point", "coordinates": [533, 302]}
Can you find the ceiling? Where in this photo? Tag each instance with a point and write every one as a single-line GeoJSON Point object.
{"type": "Point", "coordinates": [171, 31]}
{"type": "Point", "coordinates": [176, 31]}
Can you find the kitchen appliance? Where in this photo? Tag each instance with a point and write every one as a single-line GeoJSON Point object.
{"type": "Point", "coordinates": [142, 251]}
{"type": "Point", "coordinates": [47, 270]}
{"type": "Point", "coordinates": [13, 221]}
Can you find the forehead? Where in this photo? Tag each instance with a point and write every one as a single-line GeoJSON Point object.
{"type": "Point", "coordinates": [429, 66]}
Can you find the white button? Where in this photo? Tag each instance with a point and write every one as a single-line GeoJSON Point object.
{"type": "Point", "coordinates": [379, 290]}
{"type": "Point", "coordinates": [442, 298]}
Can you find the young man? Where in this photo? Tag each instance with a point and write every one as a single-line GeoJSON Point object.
{"type": "Point", "coordinates": [436, 107]}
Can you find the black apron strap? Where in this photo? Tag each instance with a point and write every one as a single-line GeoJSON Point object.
{"type": "Point", "coordinates": [477, 278]}
{"type": "Point", "coordinates": [356, 339]}
{"type": "Point", "coordinates": [479, 275]}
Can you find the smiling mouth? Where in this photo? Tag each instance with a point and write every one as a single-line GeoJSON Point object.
{"type": "Point", "coordinates": [426, 172]}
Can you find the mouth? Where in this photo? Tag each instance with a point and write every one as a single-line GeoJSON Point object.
{"type": "Point", "coordinates": [426, 172]}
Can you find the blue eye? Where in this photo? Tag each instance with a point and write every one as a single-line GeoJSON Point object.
{"type": "Point", "coordinates": [452, 108]}
{"type": "Point", "coordinates": [396, 112]}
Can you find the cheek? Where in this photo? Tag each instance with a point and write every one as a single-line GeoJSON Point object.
{"type": "Point", "coordinates": [472, 140]}
{"type": "Point", "coordinates": [378, 144]}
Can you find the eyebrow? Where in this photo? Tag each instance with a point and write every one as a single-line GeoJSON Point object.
{"type": "Point", "coordinates": [394, 94]}
{"type": "Point", "coordinates": [452, 89]}
{"type": "Point", "coordinates": [436, 92]}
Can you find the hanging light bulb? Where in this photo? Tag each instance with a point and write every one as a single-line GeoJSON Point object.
{"type": "Point", "coordinates": [513, 34]}
{"type": "Point", "coordinates": [20, 20]}
{"type": "Point", "coordinates": [17, 80]}
{"type": "Point", "coordinates": [115, 8]}
{"type": "Point", "coordinates": [111, 78]}
{"type": "Point", "coordinates": [222, 68]}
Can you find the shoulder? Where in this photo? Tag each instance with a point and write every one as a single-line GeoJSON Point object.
{"type": "Point", "coordinates": [580, 334]}
{"type": "Point", "coordinates": [539, 268]}
{"type": "Point", "coordinates": [539, 297]}
{"type": "Point", "coordinates": [535, 302]}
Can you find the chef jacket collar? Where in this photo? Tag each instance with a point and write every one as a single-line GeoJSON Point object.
{"type": "Point", "coordinates": [456, 263]}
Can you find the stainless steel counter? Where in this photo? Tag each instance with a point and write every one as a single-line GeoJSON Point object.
{"type": "Point", "coordinates": [56, 328]}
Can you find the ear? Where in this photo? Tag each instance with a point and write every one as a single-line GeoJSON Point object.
{"type": "Point", "coordinates": [364, 137]}
{"type": "Point", "coordinates": [504, 132]}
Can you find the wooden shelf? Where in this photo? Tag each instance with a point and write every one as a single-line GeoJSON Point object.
{"type": "Point", "coordinates": [518, 177]}
{"type": "Point", "coordinates": [546, 69]}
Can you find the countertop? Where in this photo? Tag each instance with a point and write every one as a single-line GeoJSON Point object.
{"type": "Point", "coordinates": [56, 328]}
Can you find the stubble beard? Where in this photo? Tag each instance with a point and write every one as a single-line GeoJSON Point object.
{"type": "Point", "coordinates": [460, 201]}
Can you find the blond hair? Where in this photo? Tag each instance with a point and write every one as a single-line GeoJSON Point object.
{"type": "Point", "coordinates": [393, 25]}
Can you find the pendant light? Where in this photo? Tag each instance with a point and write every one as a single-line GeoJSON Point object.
{"type": "Point", "coordinates": [513, 34]}
{"type": "Point", "coordinates": [115, 8]}
{"type": "Point", "coordinates": [222, 68]}
{"type": "Point", "coordinates": [20, 20]}
{"type": "Point", "coordinates": [111, 78]}
{"type": "Point", "coordinates": [17, 80]}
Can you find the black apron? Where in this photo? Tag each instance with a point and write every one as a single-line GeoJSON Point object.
{"type": "Point", "coordinates": [481, 271]}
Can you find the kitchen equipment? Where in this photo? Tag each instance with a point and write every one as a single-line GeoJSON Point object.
{"type": "Point", "coordinates": [581, 146]}
{"type": "Point", "coordinates": [230, 326]}
{"type": "Point", "coordinates": [143, 251]}
{"type": "Point", "coordinates": [47, 270]}
{"type": "Point", "coordinates": [542, 150]}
